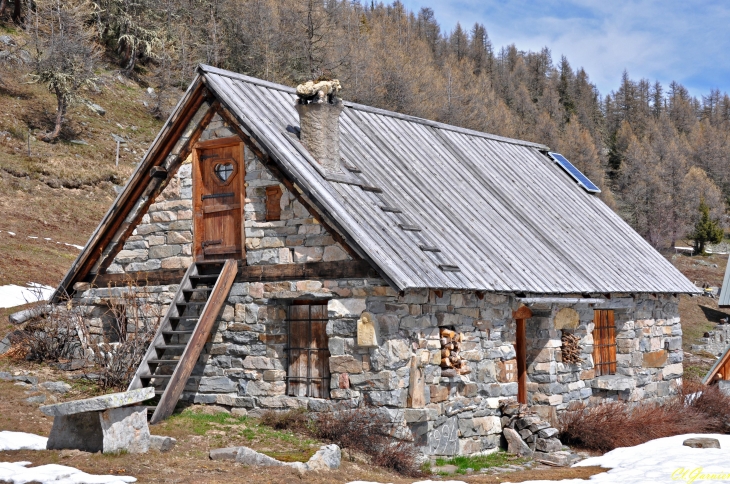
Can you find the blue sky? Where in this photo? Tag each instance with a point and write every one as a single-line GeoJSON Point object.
{"type": "Point", "coordinates": [687, 41]}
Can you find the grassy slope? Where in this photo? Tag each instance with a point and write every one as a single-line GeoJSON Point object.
{"type": "Point", "coordinates": [63, 189]}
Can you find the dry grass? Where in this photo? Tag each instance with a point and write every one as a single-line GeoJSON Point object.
{"type": "Point", "coordinates": [696, 409]}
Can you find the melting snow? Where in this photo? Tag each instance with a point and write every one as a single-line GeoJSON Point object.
{"type": "Point", "coordinates": [12, 295]}
{"type": "Point", "coordinates": [659, 461]}
{"type": "Point", "coordinates": [19, 473]}
{"type": "Point", "coordinates": [21, 441]}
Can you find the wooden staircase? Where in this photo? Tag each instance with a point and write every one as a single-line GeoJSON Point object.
{"type": "Point", "coordinates": [183, 332]}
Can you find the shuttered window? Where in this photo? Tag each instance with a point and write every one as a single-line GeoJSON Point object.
{"type": "Point", "coordinates": [308, 373]}
{"type": "Point", "coordinates": [604, 342]}
{"type": "Point", "coordinates": [273, 206]}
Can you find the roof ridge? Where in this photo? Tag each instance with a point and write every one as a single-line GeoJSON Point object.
{"type": "Point", "coordinates": [370, 109]}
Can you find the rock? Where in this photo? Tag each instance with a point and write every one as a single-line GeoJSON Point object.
{"type": "Point", "coordinates": [548, 445]}
{"type": "Point", "coordinates": [446, 469]}
{"type": "Point", "coordinates": [547, 433]}
{"type": "Point", "coordinates": [7, 40]}
{"type": "Point", "coordinates": [56, 386]}
{"type": "Point", "coordinates": [327, 457]}
{"type": "Point", "coordinates": [36, 400]}
{"type": "Point", "coordinates": [515, 444]}
{"type": "Point", "coordinates": [250, 457]}
{"type": "Point", "coordinates": [615, 382]}
{"type": "Point", "coordinates": [702, 443]}
{"type": "Point", "coordinates": [125, 430]}
{"type": "Point", "coordinates": [560, 458]}
{"type": "Point", "coordinates": [104, 402]}
{"type": "Point", "coordinates": [724, 386]}
{"type": "Point", "coordinates": [79, 142]}
{"type": "Point", "coordinates": [162, 443]}
{"type": "Point", "coordinates": [217, 384]}
{"type": "Point", "coordinates": [96, 108]}
{"type": "Point", "coordinates": [4, 345]}
{"type": "Point", "coordinates": [5, 376]}
{"type": "Point", "coordinates": [228, 453]}
{"type": "Point", "coordinates": [26, 379]}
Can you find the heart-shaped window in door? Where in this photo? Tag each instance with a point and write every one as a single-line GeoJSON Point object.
{"type": "Point", "coordinates": [224, 171]}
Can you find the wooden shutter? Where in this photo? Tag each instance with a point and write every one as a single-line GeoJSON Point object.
{"type": "Point", "coordinates": [308, 372]}
{"type": "Point", "coordinates": [604, 342]}
{"type": "Point", "coordinates": [273, 206]}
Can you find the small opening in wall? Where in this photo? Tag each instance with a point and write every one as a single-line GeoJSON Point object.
{"type": "Point", "coordinates": [273, 203]}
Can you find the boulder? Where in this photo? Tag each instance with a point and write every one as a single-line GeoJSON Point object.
{"type": "Point", "coordinates": [326, 458]}
{"type": "Point", "coordinates": [515, 444]}
{"type": "Point", "coordinates": [162, 443]}
{"type": "Point", "coordinates": [250, 457]}
{"type": "Point", "coordinates": [56, 386]}
{"type": "Point", "coordinates": [702, 443]}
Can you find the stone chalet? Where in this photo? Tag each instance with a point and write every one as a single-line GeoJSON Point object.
{"type": "Point", "coordinates": [311, 252]}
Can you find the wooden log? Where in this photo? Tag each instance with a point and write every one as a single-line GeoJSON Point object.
{"type": "Point", "coordinates": [445, 353]}
{"type": "Point", "coordinates": [446, 363]}
{"type": "Point", "coordinates": [447, 333]}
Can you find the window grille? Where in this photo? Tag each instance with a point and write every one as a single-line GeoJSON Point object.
{"type": "Point", "coordinates": [308, 369]}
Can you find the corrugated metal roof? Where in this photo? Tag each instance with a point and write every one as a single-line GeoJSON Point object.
{"type": "Point", "coordinates": [497, 208]}
{"type": "Point", "coordinates": [724, 301]}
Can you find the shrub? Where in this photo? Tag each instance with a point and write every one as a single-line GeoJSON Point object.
{"type": "Point", "coordinates": [695, 409]}
{"type": "Point", "coordinates": [290, 420]}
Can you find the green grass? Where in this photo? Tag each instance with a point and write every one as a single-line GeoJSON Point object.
{"type": "Point", "coordinates": [479, 462]}
{"type": "Point", "coordinates": [249, 429]}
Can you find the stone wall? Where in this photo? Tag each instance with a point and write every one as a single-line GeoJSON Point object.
{"type": "Point", "coordinates": [714, 342]}
{"type": "Point", "coordinates": [164, 237]}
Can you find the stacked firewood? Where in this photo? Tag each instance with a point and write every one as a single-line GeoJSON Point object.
{"type": "Point", "coordinates": [571, 348]}
{"type": "Point", "coordinates": [450, 348]}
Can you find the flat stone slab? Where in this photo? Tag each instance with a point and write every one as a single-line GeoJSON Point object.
{"type": "Point", "coordinates": [702, 443]}
{"type": "Point", "coordinates": [98, 404]}
{"type": "Point", "coordinates": [327, 457]}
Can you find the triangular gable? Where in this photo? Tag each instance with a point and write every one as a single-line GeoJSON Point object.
{"type": "Point", "coordinates": [721, 366]}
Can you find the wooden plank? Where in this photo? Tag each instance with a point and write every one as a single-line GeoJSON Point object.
{"type": "Point", "coordinates": [218, 250]}
{"type": "Point", "coordinates": [521, 352]}
{"type": "Point", "coordinates": [159, 277]}
{"type": "Point", "coordinates": [523, 312]}
{"type": "Point", "coordinates": [611, 327]}
{"type": "Point", "coordinates": [200, 335]}
{"type": "Point", "coordinates": [221, 208]}
{"type": "Point", "coordinates": [309, 270]}
{"type": "Point", "coordinates": [416, 385]}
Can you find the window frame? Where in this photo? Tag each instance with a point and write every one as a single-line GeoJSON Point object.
{"type": "Point", "coordinates": [325, 381]}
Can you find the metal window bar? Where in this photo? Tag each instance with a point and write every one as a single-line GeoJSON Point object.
{"type": "Point", "coordinates": [604, 339]}
{"type": "Point", "coordinates": [325, 380]}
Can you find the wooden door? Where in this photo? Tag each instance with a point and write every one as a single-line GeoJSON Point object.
{"type": "Point", "coordinates": [218, 195]}
{"type": "Point", "coordinates": [308, 373]}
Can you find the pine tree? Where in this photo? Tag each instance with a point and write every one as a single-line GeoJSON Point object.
{"type": "Point", "coordinates": [706, 230]}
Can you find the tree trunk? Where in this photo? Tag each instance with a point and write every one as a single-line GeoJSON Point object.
{"type": "Point", "coordinates": [16, 11]}
{"type": "Point", "coordinates": [3, 6]}
{"type": "Point", "coordinates": [60, 114]}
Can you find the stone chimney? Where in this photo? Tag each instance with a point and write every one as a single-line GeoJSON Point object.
{"type": "Point", "coordinates": [319, 111]}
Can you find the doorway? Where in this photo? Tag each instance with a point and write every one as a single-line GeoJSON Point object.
{"type": "Point", "coordinates": [218, 194]}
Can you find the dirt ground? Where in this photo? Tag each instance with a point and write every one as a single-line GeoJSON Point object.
{"type": "Point", "coordinates": [188, 462]}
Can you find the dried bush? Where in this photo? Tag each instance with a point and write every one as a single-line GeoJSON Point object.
{"type": "Point", "coordinates": [134, 324]}
{"type": "Point", "coordinates": [298, 420]}
{"type": "Point", "coordinates": [709, 400]}
{"type": "Point", "coordinates": [56, 337]}
{"type": "Point", "coordinates": [369, 431]}
{"type": "Point", "coordinates": [617, 424]}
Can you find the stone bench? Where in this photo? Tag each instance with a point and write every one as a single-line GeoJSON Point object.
{"type": "Point", "coordinates": [110, 423]}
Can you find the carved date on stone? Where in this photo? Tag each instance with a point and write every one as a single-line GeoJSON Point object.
{"type": "Point", "coordinates": [445, 439]}
{"type": "Point", "coordinates": [367, 333]}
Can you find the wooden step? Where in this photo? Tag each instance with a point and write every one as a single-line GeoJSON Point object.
{"type": "Point", "coordinates": [205, 277]}
{"type": "Point", "coordinates": [163, 362]}
{"type": "Point", "coordinates": [150, 376]}
{"type": "Point", "coordinates": [173, 333]}
{"type": "Point", "coordinates": [171, 347]}
{"type": "Point", "coordinates": [198, 290]}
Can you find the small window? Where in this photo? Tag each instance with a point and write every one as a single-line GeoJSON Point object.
{"type": "Point", "coordinates": [223, 171]}
{"type": "Point", "coordinates": [308, 367]}
{"type": "Point", "coordinates": [273, 203]}
{"type": "Point", "coordinates": [604, 343]}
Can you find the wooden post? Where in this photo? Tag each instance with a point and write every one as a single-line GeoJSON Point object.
{"type": "Point", "coordinates": [520, 317]}
{"type": "Point", "coordinates": [416, 386]}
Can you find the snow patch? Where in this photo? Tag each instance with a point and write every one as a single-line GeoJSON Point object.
{"type": "Point", "coordinates": [658, 461]}
{"type": "Point", "coordinates": [21, 441]}
{"type": "Point", "coordinates": [19, 473]}
{"type": "Point", "coordinates": [12, 295]}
